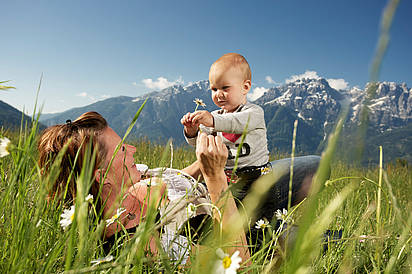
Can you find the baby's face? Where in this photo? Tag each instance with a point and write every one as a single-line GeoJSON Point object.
{"type": "Point", "coordinates": [228, 87]}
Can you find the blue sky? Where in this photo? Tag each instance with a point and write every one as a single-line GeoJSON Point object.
{"type": "Point", "coordinates": [91, 50]}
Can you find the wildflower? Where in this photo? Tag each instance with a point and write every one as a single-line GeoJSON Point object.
{"type": "Point", "coordinates": [102, 260]}
{"type": "Point", "coordinates": [199, 102]}
{"type": "Point", "coordinates": [67, 217]}
{"type": "Point", "coordinates": [4, 142]}
{"type": "Point", "coordinates": [89, 198]}
{"type": "Point", "coordinates": [262, 224]}
{"type": "Point", "coordinates": [282, 215]}
{"type": "Point", "coordinates": [116, 216]}
{"type": "Point", "coordinates": [362, 238]}
{"type": "Point", "coordinates": [265, 170]}
{"type": "Point", "coordinates": [227, 264]}
{"type": "Point", "coordinates": [191, 210]}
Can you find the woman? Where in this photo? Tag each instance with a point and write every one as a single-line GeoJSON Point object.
{"type": "Point", "coordinates": [119, 182]}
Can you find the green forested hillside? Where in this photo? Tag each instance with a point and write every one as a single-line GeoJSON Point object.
{"type": "Point", "coordinates": [11, 118]}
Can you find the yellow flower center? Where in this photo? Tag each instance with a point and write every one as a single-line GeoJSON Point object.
{"type": "Point", "coordinates": [226, 262]}
{"type": "Point", "coordinates": [72, 217]}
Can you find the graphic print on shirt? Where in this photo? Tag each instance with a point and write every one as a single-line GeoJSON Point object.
{"type": "Point", "coordinates": [245, 151]}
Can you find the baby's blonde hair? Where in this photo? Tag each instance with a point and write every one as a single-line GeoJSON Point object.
{"type": "Point", "coordinates": [237, 61]}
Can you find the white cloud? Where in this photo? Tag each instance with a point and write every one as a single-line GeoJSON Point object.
{"type": "Point", "coordinates": [161, 83]}
{"type": "Point", "coordinates": [93, 98]}
{"type": "Point", "coordinates": [134, 84]}
{"type": "Point", "coordinates": [86, 95]}
{"type": "Point", "coordinates": [338, 83]}
{"type": "Point", "coordinates": [83, 94]}
{"type": "Point", "coordinates": [269, 80]}
{"type": "Point", "coordinates": [257, 93]}
{"type": "Point", "coordinates": [310, 74]}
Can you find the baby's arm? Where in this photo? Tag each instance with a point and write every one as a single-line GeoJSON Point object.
{"type": "Point", "coordinates": [236, 122]}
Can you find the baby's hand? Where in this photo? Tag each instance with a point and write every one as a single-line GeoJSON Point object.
{"type": "Point", "coordinates": [202, 117]}
{"type": "Point", "coordinates": [191, 128]}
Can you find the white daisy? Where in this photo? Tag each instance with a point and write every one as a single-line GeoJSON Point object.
{"type": "Point", "coordinates": [191, 210]}
{"type": "Point", "coordinates": [282, 215]}
{"type": "Point", "coordinates": [67, 217]}
{"type": "Point", "coordinates": [4, 142]}
{"type": "Point", "coordinates": [262, 224]}
{"type": "Point", "coordinates": [89, 198]}
{"type": "Point", "coordinates": [102, 260]}
{"type": "Point", "coordinates": [226, 264]}
{"type": "Point", "coordinates": [116, 216]}
{"type": "Point", "coordinates": [199, 102]}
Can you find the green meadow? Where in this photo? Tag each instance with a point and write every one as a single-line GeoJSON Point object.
{"type": "Point", "coordinates": [369, 207]}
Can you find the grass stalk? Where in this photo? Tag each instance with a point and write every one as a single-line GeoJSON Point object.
{"type": "Point", "coordinates": [292, 161]}
{"type": "Point", "coordinates": [378, 209]}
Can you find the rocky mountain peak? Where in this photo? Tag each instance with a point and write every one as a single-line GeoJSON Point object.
{"type": "Point", "coordinates": [202, 85]}
{"type": "Point", "coordinates": [390, 108]}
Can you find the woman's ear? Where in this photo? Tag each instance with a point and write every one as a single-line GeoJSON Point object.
{"type": "Point", "coordinates": [99, 174]}
{"type": "Point", "coordinates": [247, 84]}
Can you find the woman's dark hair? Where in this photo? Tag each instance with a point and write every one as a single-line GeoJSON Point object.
{"type": "Point", "coordinates": [78, 135]}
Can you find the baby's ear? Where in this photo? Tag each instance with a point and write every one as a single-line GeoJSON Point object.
{"type": "Point", "coordinates": [247, 84]}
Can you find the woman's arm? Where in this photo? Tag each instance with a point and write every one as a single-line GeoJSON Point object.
{"type": "Point", "coordinates": [212, 155]}
{"type": "Point", "coordinates": [194, 170]}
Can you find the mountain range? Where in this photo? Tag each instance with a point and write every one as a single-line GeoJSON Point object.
{"type": "Point", "coordinates": [313, 102]}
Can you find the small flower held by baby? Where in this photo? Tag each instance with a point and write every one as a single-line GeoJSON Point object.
{"type": "Point", "coordinates": [199, 102]}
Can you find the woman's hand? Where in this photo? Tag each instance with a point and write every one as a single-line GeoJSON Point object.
{"type": "Point", "coordinates": [211, 154]}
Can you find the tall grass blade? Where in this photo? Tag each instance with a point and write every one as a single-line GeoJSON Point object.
{"type": "Point", "coordinates": [382, 44]}
{"type": "Point", "coordinates": [297, 261]}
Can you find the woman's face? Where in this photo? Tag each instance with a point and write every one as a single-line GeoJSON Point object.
{"type": "Point", "coordinates": [123, 170]}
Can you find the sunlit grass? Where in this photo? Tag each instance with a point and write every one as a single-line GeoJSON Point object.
{"type": "Point", "coordinates": [31, 238]}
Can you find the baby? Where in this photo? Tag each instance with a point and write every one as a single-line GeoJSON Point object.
{"type": "Point", "coordinates": [230, 81]}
